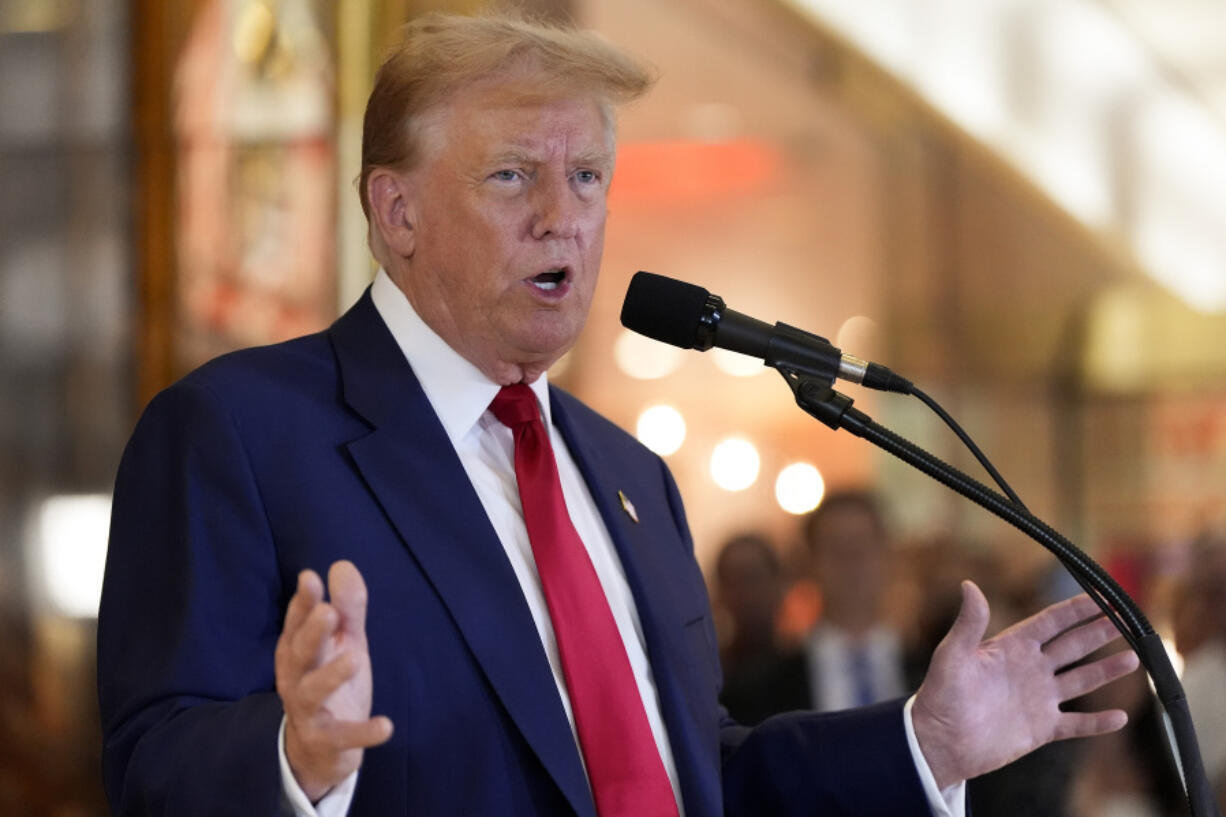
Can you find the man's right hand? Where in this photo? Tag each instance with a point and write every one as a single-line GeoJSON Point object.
{"type": "Point", "coordinates": [324, 680]}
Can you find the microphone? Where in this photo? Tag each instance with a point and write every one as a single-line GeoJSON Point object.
{"type": "Point", "coordinates": [689, 316]}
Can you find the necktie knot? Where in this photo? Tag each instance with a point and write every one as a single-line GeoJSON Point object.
{"type": "Point", "coordinates": [515, 406]}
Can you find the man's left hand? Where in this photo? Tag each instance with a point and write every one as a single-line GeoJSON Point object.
{"type": "Point", "coordinates": [986, 703]}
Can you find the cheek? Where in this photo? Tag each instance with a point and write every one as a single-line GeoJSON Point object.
{"type": "Point", "coordinates": [594, 246]}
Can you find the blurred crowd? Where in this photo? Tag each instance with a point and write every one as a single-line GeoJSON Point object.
{"type": "Point", "coordinates": [848, 614]}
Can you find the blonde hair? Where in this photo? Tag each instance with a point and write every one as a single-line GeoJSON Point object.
{"type": "Point", "coordinates": [439, 54]}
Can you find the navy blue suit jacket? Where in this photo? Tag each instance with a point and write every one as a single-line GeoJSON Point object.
{"type": "Point", "coordinates": [268, 461]}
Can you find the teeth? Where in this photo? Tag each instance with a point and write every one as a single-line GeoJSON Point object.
{"type": "Point", "coordinates": [545, 285]}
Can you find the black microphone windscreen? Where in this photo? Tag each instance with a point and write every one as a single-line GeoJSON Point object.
{"type": "Point", "coordinates": [664, 309]}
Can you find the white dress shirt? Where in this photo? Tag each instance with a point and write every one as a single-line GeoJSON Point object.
{"type": "Point", "coordinates": [460, 395]}
{"type": "Point", "coordinates": [828, 654]}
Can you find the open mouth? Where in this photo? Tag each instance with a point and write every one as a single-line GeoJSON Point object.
{"type": "Point", "coordinates": [550, 280]}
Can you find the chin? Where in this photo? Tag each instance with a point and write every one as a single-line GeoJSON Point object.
{"type": "Point", "coordinates": [551, 340]}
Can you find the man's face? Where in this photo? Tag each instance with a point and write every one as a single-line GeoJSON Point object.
{"type": "Point", "coordinates": [508, 213]}
{"type": "Point", "coordinates": [851, 559]}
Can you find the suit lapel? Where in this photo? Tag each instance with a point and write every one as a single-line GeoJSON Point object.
{"type": "Point", "coordinates": [653, 579]}
{"type": "Point", "coordinates": [411, 467]}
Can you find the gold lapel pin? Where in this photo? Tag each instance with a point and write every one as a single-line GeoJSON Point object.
{"type": "Point", "coordinates": [628, 506]}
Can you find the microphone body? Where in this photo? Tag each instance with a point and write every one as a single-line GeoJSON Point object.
{"type": "Point", "coordinates": [689, 316]}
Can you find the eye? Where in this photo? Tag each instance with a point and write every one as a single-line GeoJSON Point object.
{"type": "Point", "coordinates": [505, 175]}
{"type": "Point", "coordinates": [587, 177]}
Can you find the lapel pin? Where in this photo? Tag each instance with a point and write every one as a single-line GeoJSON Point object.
{"type": "Point", "coordinates": [628, 506]}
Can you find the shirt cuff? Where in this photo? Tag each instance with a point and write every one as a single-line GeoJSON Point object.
{"type": "Point", "coordinates": [947, 802]}
{"type": "Point", "coordinates": [294, 800]}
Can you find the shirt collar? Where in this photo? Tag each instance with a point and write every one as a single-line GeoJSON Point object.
{"type": "Point", "coordinates": [458, 391]}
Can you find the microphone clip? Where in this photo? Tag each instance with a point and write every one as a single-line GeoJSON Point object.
{"type": "Point", "coordinates": [818, 398]}
{"type": "Point", "coordinates": [794, 350]}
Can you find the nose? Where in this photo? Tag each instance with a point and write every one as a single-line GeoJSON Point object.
{"type": "Point", "coordinates": [556, 210]}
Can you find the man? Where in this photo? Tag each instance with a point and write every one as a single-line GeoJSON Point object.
{"type": "Point", "coordinates": [853, 657]}
{"type": "Point", "coordinates": [748, 594]}
{"type": "Point", "coordinates": [387, 452]}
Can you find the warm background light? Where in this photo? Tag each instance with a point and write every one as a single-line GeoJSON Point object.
{"type": "Point", "coordinates": [71, 551]}
{"type": "Point", "coordinates": [799, 488]}
{"type": "Point", "coordinates": [662, 429]}
{"type": "Point", "coordinates": [736, 364]}
{"type": "Point", "coordinates": [858, 336]}
{"type": "Point", "coordinates": [645, 359]}
{"type": "Point", "coordinates": [734, 464]}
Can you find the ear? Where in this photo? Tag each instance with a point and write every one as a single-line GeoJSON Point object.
{"type": "Point", "coordinates": [392, 210]}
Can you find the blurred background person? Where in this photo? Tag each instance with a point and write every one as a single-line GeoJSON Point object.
{"type": "Point", "coordinates": [748, 592]}
{"type": "Point", "coordinates": [1200, 637]}
{"type": "Point", "coordinates": [854, 656]}
{"type": "Point", "coordinates": [749, 588]}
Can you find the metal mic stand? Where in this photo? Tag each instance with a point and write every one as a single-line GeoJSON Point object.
{"type": "Point", "coordinates": [816, 396]}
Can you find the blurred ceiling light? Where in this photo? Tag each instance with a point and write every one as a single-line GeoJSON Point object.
{"type": "Point", "coordinates": [1086, 51]}
{"type": "Point", "coordinates": [963, 36]}
{"type": "Point", "coordinates": [1182, 148]}
{"type": "Point", "coordinates": [70, 551]}
{"type": "Point", "coordinates": [799, 488]}
{"type": "Point", "coordinates": [645, 359]}
{"type": "Point", "coordinates": [886, 29]}
{"type": "Point", "coordinates": [1185, 260]}
{"type": "Point", "coordinates": [661, 428]}
{"type": "Point", "coordinates": [734, 464]}
{"type": "Point", "coordinates": [1112, 116]}
{"type": "Point", "coordinates": [1076, 177]}
{"type": "Point", "coordinates": [1181, 202]}
{"type": "Point", "coordinates": [736, 364]}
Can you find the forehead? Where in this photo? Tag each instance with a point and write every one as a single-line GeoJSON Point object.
{"type": "Point", "coordinates": [496, 116]}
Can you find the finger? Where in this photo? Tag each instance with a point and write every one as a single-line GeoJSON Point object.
{"type": "Point", "coordinates": [309, 592]}
{"type": "Point", "coordinates": [347, 591]}
{"type": "Point", "coordinates": [1077, 643]}
{"type": "Point", "coordinates": [342, 735]}
{"type": "Point", "coordinates": [307, 645]}
{"type": "Point", "coordinates": [321, 682]}
{"type": "Point", "coordinates": [1080, 680]}
{"type": "Point", "coordinates": [972, 622]}
{"type": "Point", "coordinates": [1088, 724]}
{"type": "Point", "coordinates": [1048, 623]}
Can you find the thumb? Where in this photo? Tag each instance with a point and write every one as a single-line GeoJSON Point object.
{"type": "Point", "coordinates": [972, 622]}
{"type": "Point", "coordinates": [347, 592]}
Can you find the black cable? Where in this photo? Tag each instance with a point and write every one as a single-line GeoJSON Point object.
{"type": "Point", "coordinates": [1085, 585]}
{"type": "Point", "coordinates": [1109, 594]}
{"type": "Point", "coordinates": [966, 439]}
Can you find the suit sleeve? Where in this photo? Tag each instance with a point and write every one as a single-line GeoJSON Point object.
{"type": "Point", "coordinates": [190, 615]}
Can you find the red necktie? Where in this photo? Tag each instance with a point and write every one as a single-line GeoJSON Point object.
{"type": "Point", "coordinates": [623, 763]}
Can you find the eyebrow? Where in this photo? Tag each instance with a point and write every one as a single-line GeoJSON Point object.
{"type": "Point", "coordinates": [516, 156]}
